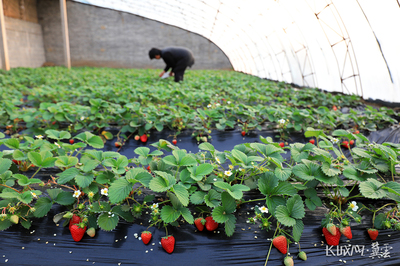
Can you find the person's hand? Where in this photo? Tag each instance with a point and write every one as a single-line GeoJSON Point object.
{"type": "Point", "coordinates": [171, 74]}
{"type": "Point", "coordinates": [162, 73]}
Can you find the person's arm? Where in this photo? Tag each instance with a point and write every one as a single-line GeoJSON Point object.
{"type": "Point", "coordinates": [169, 61]}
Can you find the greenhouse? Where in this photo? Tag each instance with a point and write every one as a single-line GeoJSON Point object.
{"type": "Point", "coordinates": [143, 132]}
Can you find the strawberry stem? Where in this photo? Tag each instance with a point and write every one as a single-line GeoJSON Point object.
{"type": "Point", "coordinates": [270, 246]}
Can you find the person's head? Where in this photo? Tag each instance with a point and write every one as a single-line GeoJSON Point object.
{"type": "Point", "coordinates": [155, 53]}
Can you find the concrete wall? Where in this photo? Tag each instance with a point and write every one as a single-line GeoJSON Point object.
{"type": "Point", "coordinates": [24, 34]}
{"type": "Point", "coordinates": [107, 38]}
{"type": "Point", "coordinates": [25, 43]}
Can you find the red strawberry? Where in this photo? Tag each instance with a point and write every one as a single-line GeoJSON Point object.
{"type": "Point", "coordinates": [373, 233]}
{"type": "Point", "coordinates": [117, 144]}
{"type": "Point", "coordinates": [137, 137]}
{"type": "Point", "coordinates": [77, 231]}
{"type": "Point", "coordinates": [71, 141]}
{"type": "Point", "coordinates": [334, 108]}
{"type": "Point", "coordinates": [143, 138]}
{"type": "Point", "coordinates": [16, 162]}
{"type": "Point", "coordinates": [199, 222]}
{"type": "Point", "coordinates": [346, 231]}
{"type": "Point", "coordinates": [312, 141]}
{"type": "Point", "coordinates": [345, 144]}
{"type": "Point", "coordinates": [148, 168]}
{"type": "Point", "coordinates": [280, 242]}
{"type": "Point", "coordinates": [356, 132]}
{"type": "Point", "coordinates": [74, 220]}
{"type": "Point", "coordinates": [243, 133]}
{"type": "Point", "coordinates": [282, 144]}
{"type": "Point", "coordinates": [174, 141]}
{"type": "Point", "coordinates": [332, 240]}
{"type": "Point", "coordinates": [351, 142]}
{"type": "Point", "coordinates": [168, 243]}
{"type": "Point", "coordinates": [211, 225]}
{"type": "Point", "coordinates": [331, 228]}
{"type": "Point", "coordinates": [146, 237]}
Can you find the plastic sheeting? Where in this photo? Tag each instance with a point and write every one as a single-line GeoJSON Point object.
{"type": "Point", "coordinates": [45, 243]}
{"type": "Point", "coordinates": [335, 45]}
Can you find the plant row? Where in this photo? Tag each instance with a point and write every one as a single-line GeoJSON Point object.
{"type": "Point", "coordinates": [103, 187]}
{"type": "Point", "coordinates": [94, 99]}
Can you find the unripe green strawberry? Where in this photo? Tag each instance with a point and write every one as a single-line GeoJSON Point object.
{"type": "Point", "coordinates": [397, 227]}
{"type": "Point", "coordinates": [387, 224]}
{"type": "Point", "coordinates": [331, 228]}
{"type": "Point", "coordinates": [302, 255]}
{"type": "Point", "coordinates": [68, 215]}
{"type": "Point", "coordinates": [14, 219]}
{"type": "Point", "coordinates": [288, 261]}
{"type": "Point", "coordinates": [91, 232]}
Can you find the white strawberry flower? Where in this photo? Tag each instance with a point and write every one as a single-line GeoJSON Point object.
{"type": "Point", "coordinates": [228, 102]}
{"type": "Point", "coordinates": [282, 121]}
{"type": "Point", "coordinates": [82, 118]}
{"type": "Point", "coordinates": [104, 191]}
{"type": "Point", "coordinates": [209, 105]}
{"type": "Point", "coordinates": [34, 195]}
{"type": "Point", "coordinates": [154, 206]}
{"type": "Point", "coordinates": [58, 145]}
{"type": "Point", "coordinates": [218, 160]}
{"type": "Point", "coordinates": [335, 140]}
{"type": "Point", "coordinates": [353, 206]}
{"type": "Point", "coordinates": [228, 173]}
{"type": "Point", "coordinates": [76, 194]}
{"type": "Point", "coordinates": [217, 104]}
{"type": "Point", "coordinates": [263, 209]}
{"type": "Point", "coordinates": [39, 136]}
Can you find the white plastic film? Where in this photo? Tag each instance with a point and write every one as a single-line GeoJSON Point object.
{"type": "Point", "coordinates": [335, 45]}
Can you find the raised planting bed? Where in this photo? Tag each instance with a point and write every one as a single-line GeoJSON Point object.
{"type": "Point", "coordinates": [99, 162]}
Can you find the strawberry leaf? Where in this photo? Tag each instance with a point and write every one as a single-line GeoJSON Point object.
{"type": "Point", "coordinates": [351, 173]}
{"type": "Point", "coordinates": [267, 183]}
{"type": "Point", "coordinates": [119, 190]}
{"type": "Point", "coordinates": [66, 161]}
{"type": "Point", "coordinates": [107, 221]}
{"type": "Point", "coordinates": [197, 197]}
{"type": "Point", "coordinates": [230, 225]}
{"type": "Point", "coordinates": [139, 175]}
{"type": "Point", "coordinates": [298, 230]}
{"type": "Point", "coordinates": [67, 175]}
{"type": "Point", "coordinates": [169, 214]}
{"type": "Point", "coordinates": [65, 198]}
{"type": "Point", "coordinates": [212, 199]}
{"type": "Point", "coordinates": [186, 214]}
{"type": "Point", "coordinates": [4, 165]}
{"type": "Point", "coordinates": [220, 215]}
{"type": "Point", "coordinates": [283, 173]}
{"type": "Point", "coordinates": [283, 216]}
{"type": "Point", "coordinates": [295, 207]}
{"type": "Point", "coordinates": [4, 225]}
{"type": "Point", "coordinates": [329, 169]}
{"type": "Point", "coordinates": [42, 207]}
{"type": "Point", "coordinates": [182, 194]}
{"type": "Point", "coordinates": [84, 180]}
{"type": "Point", "coordinates": [372, 189]}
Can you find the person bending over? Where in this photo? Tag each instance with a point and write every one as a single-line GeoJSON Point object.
{"type": "Point", "coordinates": [176, 58]}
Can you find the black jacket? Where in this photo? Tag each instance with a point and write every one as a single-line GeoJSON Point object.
{"type": "Point", "coordinates": [177, 58]}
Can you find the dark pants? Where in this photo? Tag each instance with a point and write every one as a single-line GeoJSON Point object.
{"type": "Point", "coordinates": [179, 70]}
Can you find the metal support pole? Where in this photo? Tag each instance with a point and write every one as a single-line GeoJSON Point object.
{"type": "Point", "coordinates": [64, 26]}
{"type": "Point", "coordinates": [5, 63]}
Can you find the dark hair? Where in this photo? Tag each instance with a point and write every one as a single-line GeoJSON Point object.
{"type": "Point", "coordinates": [153, 52]}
